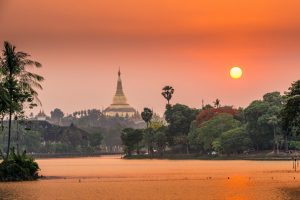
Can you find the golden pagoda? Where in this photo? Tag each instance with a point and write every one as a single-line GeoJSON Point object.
{"type": "Point", "coordinates": [119, 107]}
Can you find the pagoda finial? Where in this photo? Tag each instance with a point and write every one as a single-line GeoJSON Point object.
{"type": "Point", "coordinates": [119, 73]}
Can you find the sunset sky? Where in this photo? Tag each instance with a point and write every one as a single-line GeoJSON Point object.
{"type": "Point", "coordinates": [190, 45]}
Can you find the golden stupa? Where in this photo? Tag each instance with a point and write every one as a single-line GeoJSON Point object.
{"type": "Point", "coordinates": [119, 107]}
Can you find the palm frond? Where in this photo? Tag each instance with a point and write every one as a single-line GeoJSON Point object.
{"type": "Point", "coordinates": [22, 55]}
{"type": "Point", "coordinates": [29, 83]}
{"type": "Point", "coordinates": [27, 62]}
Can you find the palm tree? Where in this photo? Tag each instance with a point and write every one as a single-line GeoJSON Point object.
{"type": "Point", "coordinates": [147, 115]}
{"type": "Point", "coordinates": [217, 103]}
{"type": "Point", "coordinates": [20, 84]}
{"type": "Point", "coordinates": [167, 93]}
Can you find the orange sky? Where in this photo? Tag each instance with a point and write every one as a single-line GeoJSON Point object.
{"type": "Point", "coordinates": [190, 45]}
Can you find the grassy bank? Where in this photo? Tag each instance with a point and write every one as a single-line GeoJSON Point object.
{"type": "Point", "coordinates": [257, 156]}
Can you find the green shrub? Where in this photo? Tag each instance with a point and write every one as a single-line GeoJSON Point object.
{"type": "Point", "coordinates": [18, 167]}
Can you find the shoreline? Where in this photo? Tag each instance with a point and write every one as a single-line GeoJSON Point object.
{"type": "Point", "coordinates": [254, 157]}
{"type": "Point", "coordinates": [71, 155]}
{"type": "Point", "coordinates": [167, 157]}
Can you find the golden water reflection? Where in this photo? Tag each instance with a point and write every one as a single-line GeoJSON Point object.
{"type": "Point", "coordinates": [114, 178]}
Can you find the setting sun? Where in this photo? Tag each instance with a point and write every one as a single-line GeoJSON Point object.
{"type": "Point", "coordinates": [236, 72]}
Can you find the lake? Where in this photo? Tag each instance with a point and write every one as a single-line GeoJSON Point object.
{"type": "Point", "coordinates": [110, 177]}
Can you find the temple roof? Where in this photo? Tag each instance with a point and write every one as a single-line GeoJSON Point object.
{"type": "Point", "coordinates": [119, 109]}
{"type": "Point", "coordinates": [41, 114]}
{"type": "Point", "coordinates": [119, 103]}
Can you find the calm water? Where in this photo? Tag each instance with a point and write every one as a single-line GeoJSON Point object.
{"type": "Point", "coordinates": [114, 178]}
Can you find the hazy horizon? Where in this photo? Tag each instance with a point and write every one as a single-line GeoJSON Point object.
{"type": "Point", "coordinates": [190, 46]}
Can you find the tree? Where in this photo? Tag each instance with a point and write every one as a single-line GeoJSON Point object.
{"type": "Point", "coordinates": [210, 112]}
{"type": "Point", "coordinates": [203, 136]}
{"type": "Point", "coordinates": [19, 84]}
{"type": "Point", "coordinates": [57, 115]}
{"type": "Point", "coordinates": [95, 139]}
{"type": "Point", "coordinates": [155, 136]}
{"type": "Point", "coordinates": [193, 137]}
{"type": "Point", "coordinates": [179, 118]}
{"type": "Point", "coordinates": [274, 121]}
{"type": "Point", "coordinates": [74, 137]}
{"type": "Point", "coordinates": [217, 103]}
{"type": "Point", "coordinates": [149, 139]}
{"type": "Point", "coordinates": [290, 114]}
{"type": "Point", "coordinates": [273, 98]}
{"type": "Point", "coordinates": [168, 93]}
{"type": "Point", "coordinates": [147, 115]}
{"type": "Point", "coordinates": [160, 140]}
{"type": "Point", "coordinates": [156, 124]}
{"type": "Point", "coordinates": [257, 124]}
{"type": "Point", "coordinates": [32, 141]}
{"type": "Point", "coordinates": [260, 117]}
{"type": "Point", "coordinates": [294, 89]}
{"type": "Point", "coordinates": [131, 139]}
{"type": "Point", "coordinates": [233, 141]}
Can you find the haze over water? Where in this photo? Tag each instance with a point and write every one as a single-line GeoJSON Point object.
{"type": "Point", "coordinates": [114, 178]}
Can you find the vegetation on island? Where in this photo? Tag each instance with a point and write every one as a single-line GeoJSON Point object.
{"type": "Point", "coordinates": [18, 167]}
{"type": "Point", "coordinates": [18, 87]}
{"type": "Point", "coordinates": [270, 124]}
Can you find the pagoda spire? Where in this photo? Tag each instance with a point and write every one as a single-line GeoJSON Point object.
{"type": "Point", "coordinates": [119, 91]}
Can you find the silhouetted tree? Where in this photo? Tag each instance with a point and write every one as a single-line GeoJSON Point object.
{"type": "Point", "coordinates": [167, 93]}
{"type": "Point", "coordinates": [217, 103]}
{"type": "Point", "coordinates": [147, 115]}
{"type": "Point", "coordinates": [19, 84]}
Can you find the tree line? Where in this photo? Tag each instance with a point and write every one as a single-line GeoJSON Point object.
{"type": "Point", "coordinates": [272, 123]}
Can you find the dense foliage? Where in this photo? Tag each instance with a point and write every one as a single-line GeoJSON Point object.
{"type": "Point", "coordinates": [209, 113]}
{"type": "Point", "coordinates": [44, 137]}
{"type": "Point", "coordinates": [131, 139]}
{"type": "Point", "coordinates": [18, 167]}
{"type": "Point", "coordinates": [271, 123]}
{"type": "Point", "coordinates": [263, 123]}
{"type": "Point", "coordinates": [179, 118]}
{"type": "Point", "coordinates": [204, 136]}
{"type": "Point", "coordinates": [233, 141]}
{"type": "Point", "coordinates": [291, 110]}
